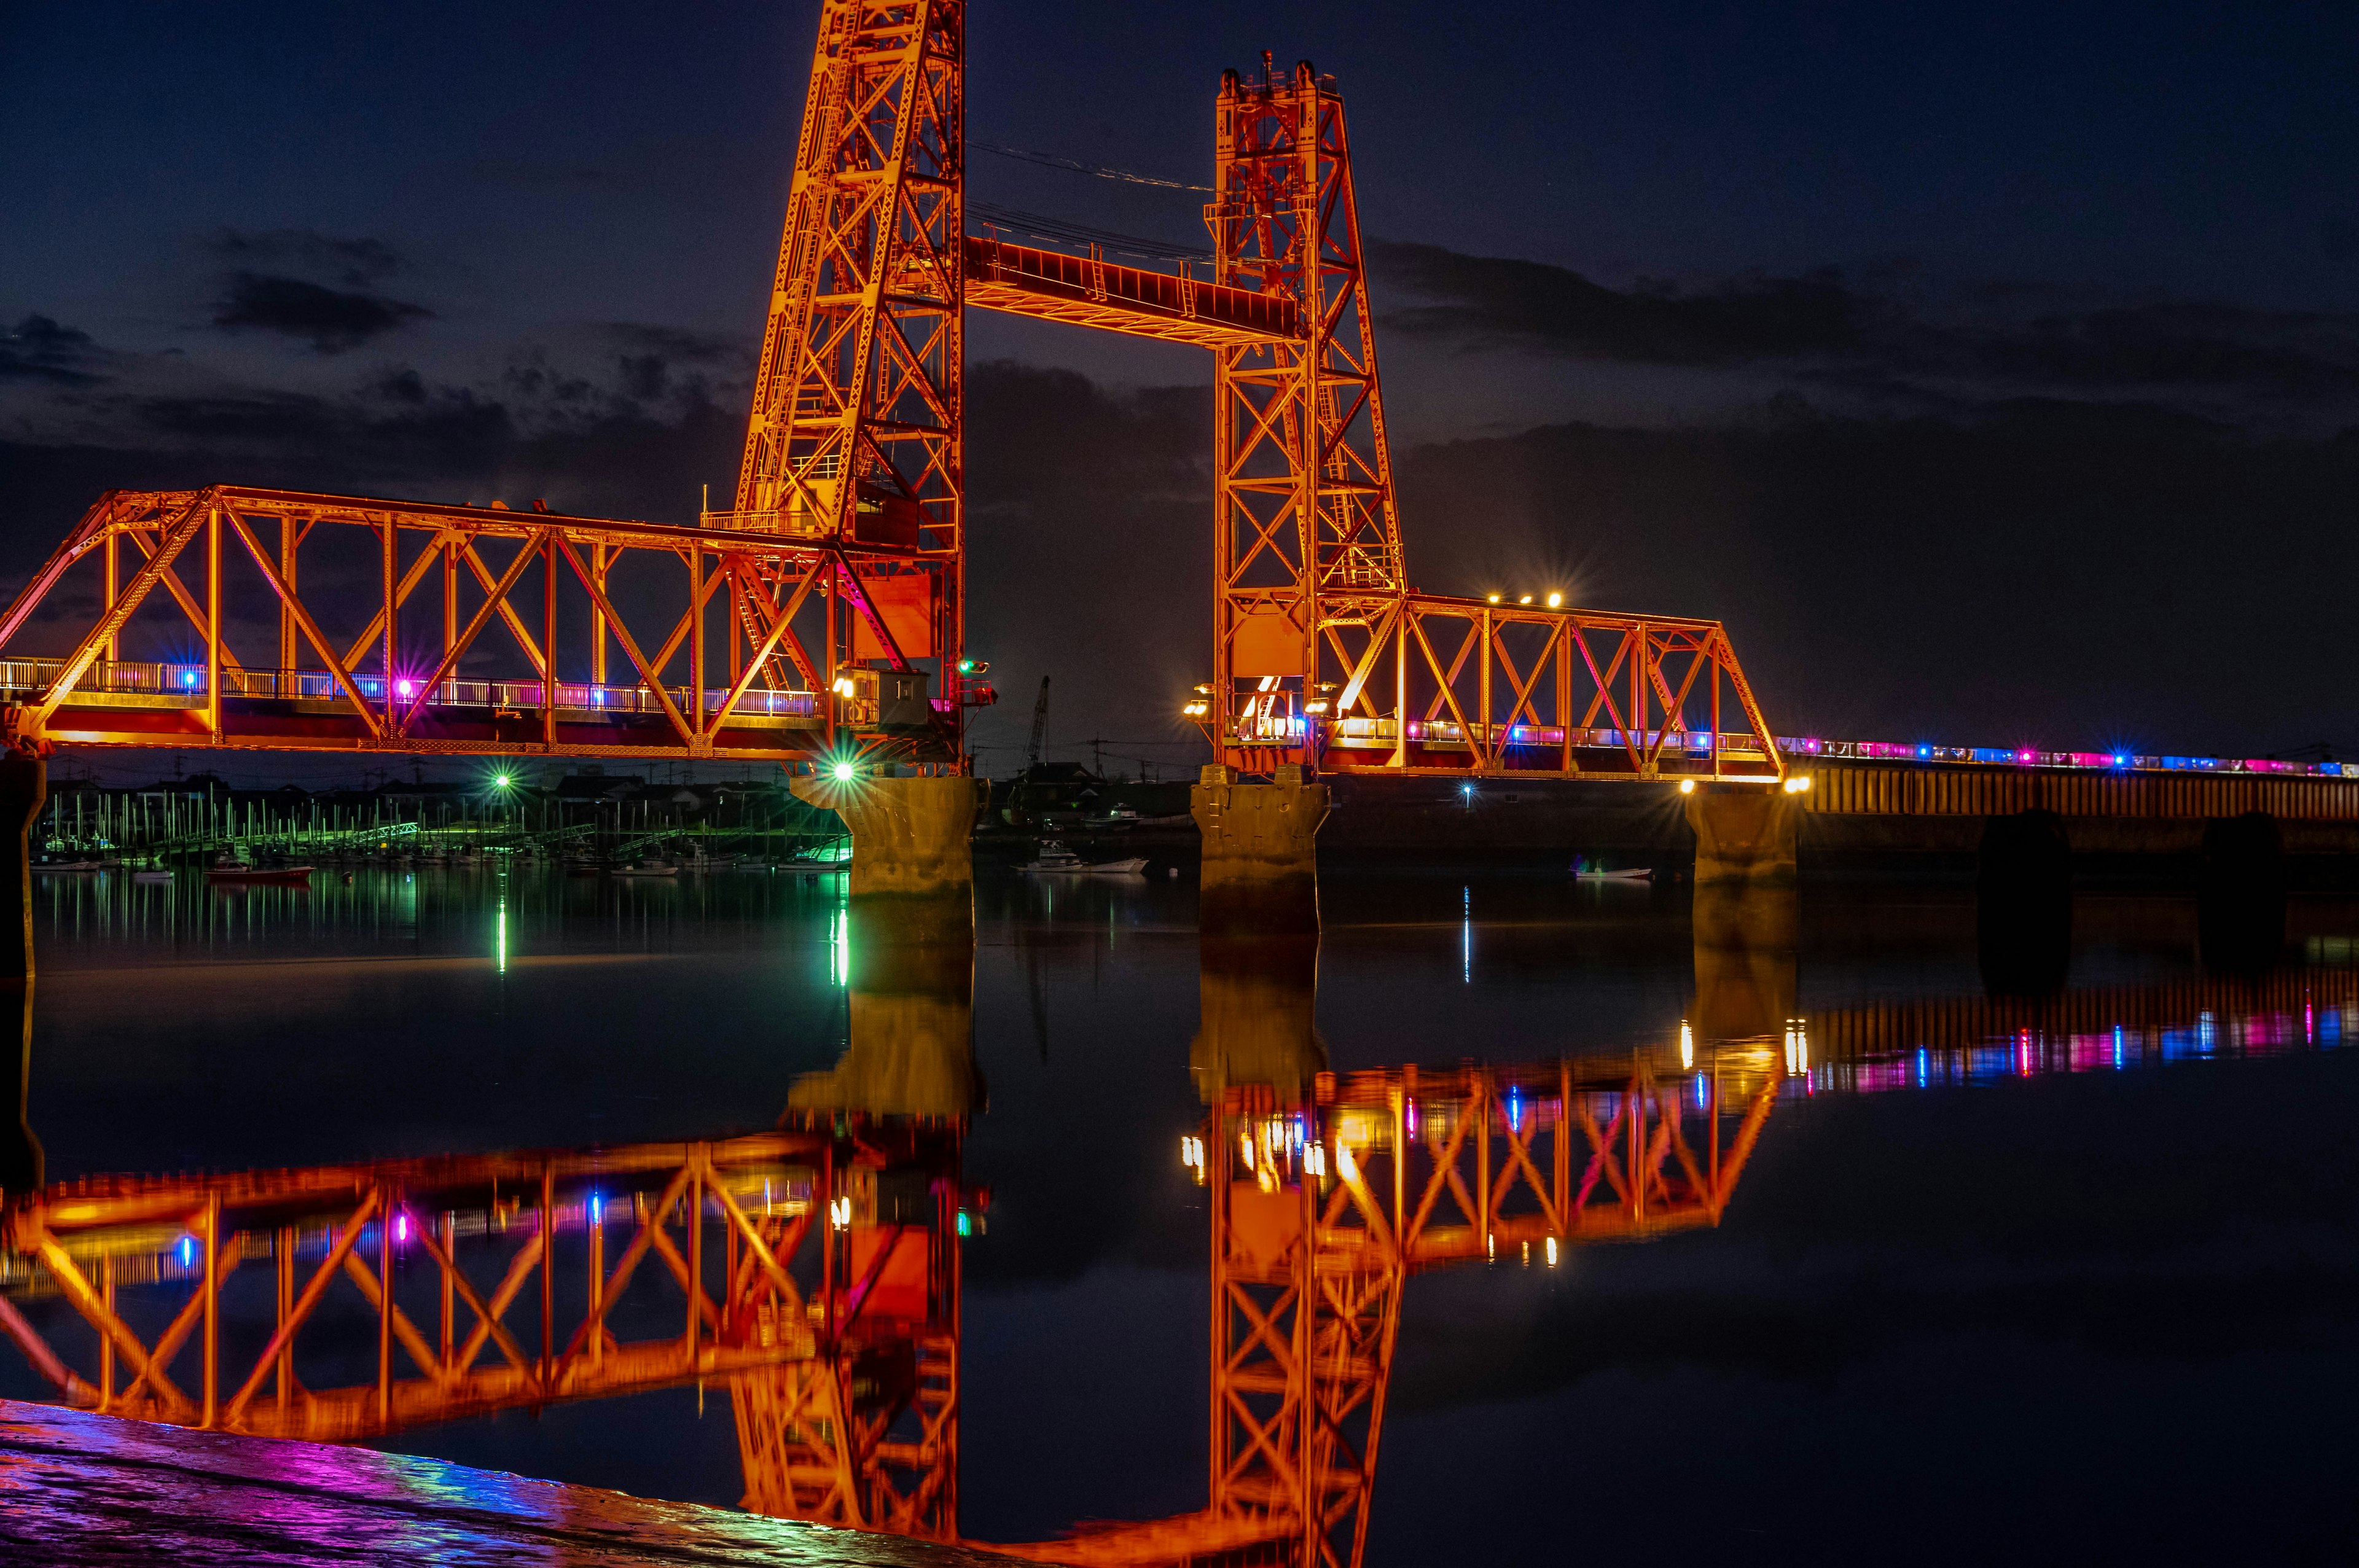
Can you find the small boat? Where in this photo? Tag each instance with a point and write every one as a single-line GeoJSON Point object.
{"type": "Point", "coordinates": [649, 869]}
{"type": "Point", "coordinates": [231, 869]}
{"type": "Point", "coordinates": [157, 874]}
{"type": "Point", "coordinates": [1587, 870]}
{"type": "Point", "coordinates": [1055, 859]}
{"type": "Point", "coordinates": [47, 866]}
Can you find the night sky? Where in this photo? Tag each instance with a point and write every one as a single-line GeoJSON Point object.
{"type": "Point", "coordinates": [1993, 371]}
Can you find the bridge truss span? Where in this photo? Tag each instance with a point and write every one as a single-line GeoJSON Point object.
{"type": "Point", "coordinates": [1428, 683]}
{"type": "Point", "coordinates": [285, 620]}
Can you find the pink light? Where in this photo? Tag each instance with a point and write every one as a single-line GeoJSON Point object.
{"type": "Point", "coordinates": [401, 1230]}
{"type": "Point", "coordinates": [402, 688]}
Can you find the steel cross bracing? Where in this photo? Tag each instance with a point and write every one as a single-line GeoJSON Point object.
{"type": "Point", "coordinates": [843, 550]}
{"type": "Point", "coordinates": [814, 1269]}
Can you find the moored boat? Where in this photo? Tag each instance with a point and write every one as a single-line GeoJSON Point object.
{"type": "Point", "coordinates": [1055, 859]}
{"type": "Point", "coordinates": [229, 869]}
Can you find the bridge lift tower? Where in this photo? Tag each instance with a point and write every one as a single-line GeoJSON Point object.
{"type": "Point", "coordinates": [819, 621]}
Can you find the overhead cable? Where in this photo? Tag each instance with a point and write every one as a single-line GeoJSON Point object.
{"type": "Point", "coordinates": [1060, 231]}
{"type": "Point", "coordinates": [1051, 160]}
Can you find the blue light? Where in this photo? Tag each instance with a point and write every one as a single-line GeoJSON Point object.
{"type": "Point", "coordinates": [188, 677]}
{"type": "Point", "coordinates": [2117, 1045]}
{"type": "Point", "coordinates": [188, 1251]}
{"type": "Point", "coordinates": [1924, 750]}
{"type": "Point", "coordinates": [1921, 1061]}
{"type": "Point", "coordinates": [2121, 761]}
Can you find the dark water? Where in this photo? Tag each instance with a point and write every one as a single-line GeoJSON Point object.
{"type": "Point", "coordinates": [2074, 1281]}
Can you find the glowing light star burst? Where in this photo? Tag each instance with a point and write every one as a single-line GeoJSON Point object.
{"type": "Point", "coordinates": [842, 772]}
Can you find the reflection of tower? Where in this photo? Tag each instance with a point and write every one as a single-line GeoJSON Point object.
{"type": "Point", "coordinates": [864, 1432]}
{"type": "Point", "coordinates": [1328, 1191]}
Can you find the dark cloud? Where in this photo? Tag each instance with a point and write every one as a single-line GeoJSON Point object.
{"type": "Point", "coordinates": [2041, 568]}
{"type": "Point", "coordinates": [1888, 340]}
{"type": "Point", "coordinates": [1479, 299]}
{"type": "Point", "coordinates": [38, 348]}
{"type": "Point", "coordinates": [331, 320]}
{"type": "Point", "coordinates": [353, 262]}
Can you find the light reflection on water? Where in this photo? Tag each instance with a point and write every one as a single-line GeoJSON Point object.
{"type": "Point", "coordinates": [409, 1014]}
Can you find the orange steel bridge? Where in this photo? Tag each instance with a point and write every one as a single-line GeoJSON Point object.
{"type": "Point", "coordinates": [816, 1271]}
{"type": "Point", "coordinates": [820, 616]}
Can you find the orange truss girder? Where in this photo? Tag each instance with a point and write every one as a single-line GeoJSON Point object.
{"type": "Point", "coordinates": [1428, 684]}
{"type": "Point", "coordinates": [438, 631]}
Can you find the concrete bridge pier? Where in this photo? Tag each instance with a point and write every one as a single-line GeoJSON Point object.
{"type": "Point", "coordinates": [2240, 905]}
{"type": "Point", "coordinates": [912, 848]}
{"type": "Point", "coordinates": [1745, 836]}
{"type": "Point", "coordinates": [2023, 905]}
{"type": "Point", "coordinates": [1261, 854]}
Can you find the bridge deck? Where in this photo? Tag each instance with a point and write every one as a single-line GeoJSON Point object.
{"type": "Point", "coordinates": [1089, 291]}
{"type": "Point", "coordinates": [132, 703]}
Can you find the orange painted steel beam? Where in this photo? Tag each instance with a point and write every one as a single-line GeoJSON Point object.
{"type": "Point", "coordinates": [1468, 687]}
{"type": "Point", "coordinates": [468, 676]}
{"type": "Point", "coordinates": [1089, 291]}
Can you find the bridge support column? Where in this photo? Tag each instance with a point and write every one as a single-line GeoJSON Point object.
{"type": "Point", "coordinates": [24, 788]}
{"type": "Point", "coordinates": [2023, 905]}
{"type": "Point", "coordinates": [1261, 855]}
{"type": "Point", "coordinates": [2240, 906]}
{"type": "Point", "coordinates": [912, 848]}
{"type": "Point", "coordinates": [1744, 835]}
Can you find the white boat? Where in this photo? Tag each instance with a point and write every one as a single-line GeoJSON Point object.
{"type": "Point", "coordinates": [229, 868]}
{"type": "Point", "coordinates": [649, 869]}
{"type": "Point", "coordinates": [1055, 859]}
{"type": "Point", "coordinates": [1585, 871]}
{"type": "Point", "coordinates": [49, 866]}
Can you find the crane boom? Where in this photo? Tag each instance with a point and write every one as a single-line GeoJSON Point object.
{"type": "Point", "coordinates": [1040, 728]}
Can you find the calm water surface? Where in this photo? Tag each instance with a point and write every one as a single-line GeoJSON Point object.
{"type": "Point", "coordinates": [2082, 1291]}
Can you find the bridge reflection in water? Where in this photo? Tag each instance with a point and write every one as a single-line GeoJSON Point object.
{"type": "Point", "coordinates": [814, 1269]}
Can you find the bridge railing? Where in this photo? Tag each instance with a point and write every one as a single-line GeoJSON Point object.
{"type": "Point", "coordinates": [179, 684]}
